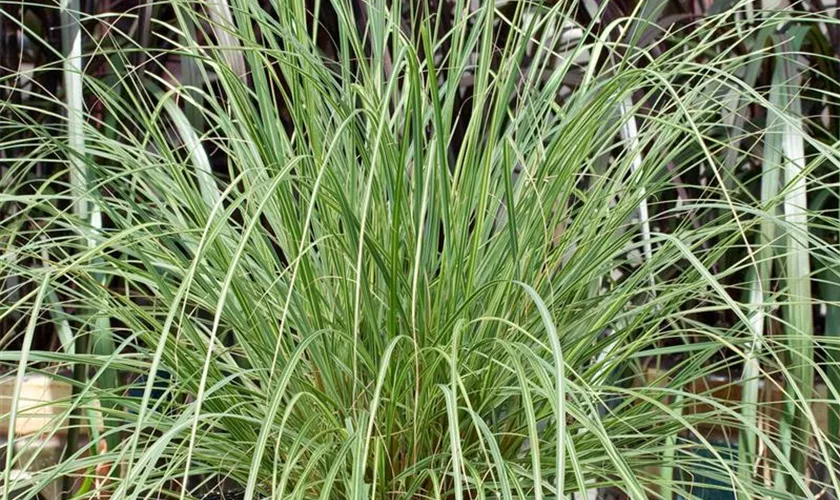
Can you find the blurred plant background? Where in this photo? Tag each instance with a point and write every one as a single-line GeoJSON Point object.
{"type": "Point", "coordinates": [419, 249]}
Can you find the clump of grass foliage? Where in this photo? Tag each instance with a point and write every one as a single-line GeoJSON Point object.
{"type": "Point", "coordinates": [303, 259]}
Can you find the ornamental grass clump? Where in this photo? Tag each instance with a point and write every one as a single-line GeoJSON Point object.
{"type": "Point", "coordinates": [388, 250]}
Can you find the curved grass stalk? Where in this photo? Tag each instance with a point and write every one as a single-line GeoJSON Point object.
{"type": "Point", "coordinates": [223, 27]}
{"type": "Point", "coordinates": [799, 324]}
{"type": "Point", "coordinates": [760, 285]}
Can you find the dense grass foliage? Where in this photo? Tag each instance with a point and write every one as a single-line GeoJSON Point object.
{"type": "Point", "coordinates": [496, 252]}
